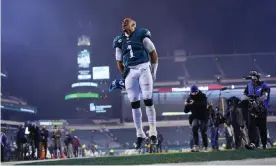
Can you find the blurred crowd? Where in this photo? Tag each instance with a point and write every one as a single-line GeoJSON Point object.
{"type": "Point", "coordinates": [34, 142]}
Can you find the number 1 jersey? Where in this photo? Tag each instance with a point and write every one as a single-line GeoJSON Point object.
{"type": "Point", "coordinates": [133, 50]}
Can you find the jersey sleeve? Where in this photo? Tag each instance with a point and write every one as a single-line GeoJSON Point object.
{"type": "Point", "coordinates": [145, 33]}
{"type": "Point", "coordinates": [118, 54]}
{"type": "Point", "coordinates": [117, 42]}
{"type": "Point", "coordinates": [148, 45]}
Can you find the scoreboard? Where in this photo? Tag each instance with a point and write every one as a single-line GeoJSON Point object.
{"type": "Point", "coordinates": [89, 95]}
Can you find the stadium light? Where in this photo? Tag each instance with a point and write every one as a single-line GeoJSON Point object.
{"type": "Point", "coordinates": [81, 84]}
{"type": "Point", "coordinates": [3, 75]}
{"type": "Point", "coordinates": [175, 113]}
{"type": "Point", "coordinates": [82, 95]}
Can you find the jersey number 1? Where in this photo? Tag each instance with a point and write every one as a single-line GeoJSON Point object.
{"type": "Point", "coordinates": [130, 51]}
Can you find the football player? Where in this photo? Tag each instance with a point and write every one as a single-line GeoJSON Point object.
{"type": "Point", "coordinates": [137, 60]}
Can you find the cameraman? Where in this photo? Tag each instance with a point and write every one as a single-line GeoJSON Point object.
{"type": "Point", "coordinates": [257, 93]}
{"type": "Point", "coordinates": [196, 103]}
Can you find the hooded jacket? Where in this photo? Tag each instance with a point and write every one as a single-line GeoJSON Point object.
{"type": "Point", "coordinates": [199, 107]}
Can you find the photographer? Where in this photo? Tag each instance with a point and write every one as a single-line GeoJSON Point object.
{"type": "Point", "coordinates": [257, 93]}
{"type": "Point", "coordinates": [43, 140]}
{"type": "Point", "coordinates": [196, 103]}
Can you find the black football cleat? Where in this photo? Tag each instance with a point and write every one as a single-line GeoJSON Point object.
{"type": "Point", "coordinates": [153, 144]}
{"type": "Point", "coordinates": [139, 143]}
{"type": "Point", "coordinates": [153, 140]}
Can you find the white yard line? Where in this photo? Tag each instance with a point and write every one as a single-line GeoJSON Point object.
{"type": "Point", "coordinates": [264, 161]}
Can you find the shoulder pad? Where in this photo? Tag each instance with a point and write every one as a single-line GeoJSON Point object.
{"type": "Point", "coordinates": [145, 33]}
{"type": "Point", "coordinates": [117, 42]}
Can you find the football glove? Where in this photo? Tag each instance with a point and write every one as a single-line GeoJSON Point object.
{"type": "Point", "coordinates": [117, 84]}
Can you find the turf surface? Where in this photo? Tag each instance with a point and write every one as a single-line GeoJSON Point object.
{"type": "Point", "coordinates": [165, 158]}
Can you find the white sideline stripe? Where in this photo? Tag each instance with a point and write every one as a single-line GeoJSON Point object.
{"type": "Point", "coordinates": [264, 161]}
{"type": "Point", "coordinates": [38, 161]}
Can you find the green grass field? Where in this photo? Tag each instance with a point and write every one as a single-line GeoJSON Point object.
{"type": "Point", "coordinates": [165, 158]}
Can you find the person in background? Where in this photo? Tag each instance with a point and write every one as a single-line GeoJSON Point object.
{"type": "Point", "coordinates": [76, 146]}
{"type": "Point", "coordinates": [196, 103]}
{"type": "Point", "coordinates": [257, 92]}
{"type": "Point", "coordinates": [160, 141]}
{"type": "Point", "coordinates": [34, 139]}
{"type": "Point", "coordinates": [3, 145]}
{"type": "Point", "coordinates": [20, 141]}
{"type": "Point", "coordinates": [44, 134]}
{"type": "Point", "coordinates": [214, 127]}
{"type": "Point", "coordinates": [68, 141]}
{"type": "Point", "coordinates": [37, 140]}
{"type": "Point", "coordinates": [56, 138]}
{"type": "Point", "coordinates": [31, 137]}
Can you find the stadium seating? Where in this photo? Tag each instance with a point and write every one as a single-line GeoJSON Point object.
{"type": "Point", "coordinates": [202, 68]}
{"type": "Point", "coordinates": [125, 135]}
{"type": "Point", "coordinates": [236, 66]}
{"type": "Point", "coordinates": [267, 64]}
{"type": "Point", "coordinates": [206, 68]}
{"type": "Point", "coordinates": [96, 137]}
{"type": "Point", "coordinates": [169, 70]}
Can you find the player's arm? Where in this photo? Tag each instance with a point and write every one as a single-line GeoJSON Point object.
{"type": "Point", "coordinates": [149, 46]}
{"type": "Point", "coordinates": [118, 54]}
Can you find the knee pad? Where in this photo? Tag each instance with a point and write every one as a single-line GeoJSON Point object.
{"type": "Point", "coordinates": [135, 105]}
{"type": "Point", "coordinates": [148, 102]}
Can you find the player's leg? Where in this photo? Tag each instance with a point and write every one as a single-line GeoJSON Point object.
{"type": "Point", "coordinates": [133, 92]}
{"type": "Point", "coordinates": [146, 85]}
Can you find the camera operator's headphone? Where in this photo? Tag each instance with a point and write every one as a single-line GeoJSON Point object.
{"type": "Point", "coordinates": [254, 75]}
